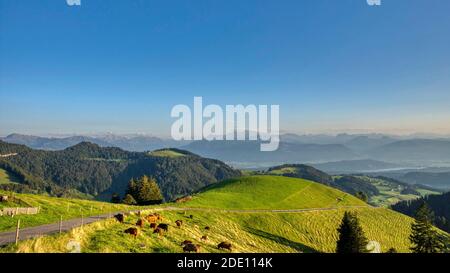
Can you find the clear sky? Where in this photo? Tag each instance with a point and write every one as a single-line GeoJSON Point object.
{"type": "Point", "coordinates": [120, 66]}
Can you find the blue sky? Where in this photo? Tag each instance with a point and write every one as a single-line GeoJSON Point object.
{"type": "Point", "coordinates": [120, 66]}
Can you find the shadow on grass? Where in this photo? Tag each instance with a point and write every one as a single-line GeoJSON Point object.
{"type": "Point", "coordinates": [281, 240]}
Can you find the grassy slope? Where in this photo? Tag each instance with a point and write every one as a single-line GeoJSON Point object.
{"type": "Point", "coordinates": [265, 232]}
{"type": "Point", "coordinates": [248, 232]}
{"type": "Point", "coordinates": [271, 192]}
{"type": "Point", "coordinates": [53, 208]}
{"type": "Point", "coordinates": [7, 177]}
{"type": "Point", "coordinates": [390, 194]}
{"type": "Point", "coordinates": [166, 153]}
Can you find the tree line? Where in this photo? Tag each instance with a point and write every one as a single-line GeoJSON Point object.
{"type": "Point", "coordinates": [424, 237]}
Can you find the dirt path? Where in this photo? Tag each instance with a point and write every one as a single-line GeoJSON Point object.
{"type": "Point", "coordinates": [33, 232]}
{"type": "Point", "coordinates": [256, 210]}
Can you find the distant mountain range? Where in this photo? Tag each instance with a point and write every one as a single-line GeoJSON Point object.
{"type": "Point", "coordinates": [346, 152]}
{"type": "Point", "coordinates": [249, 151]}
{"type": "Point", "coordinates": [355, 166]}
{"type": "Point", "coordinates": [137, 143]}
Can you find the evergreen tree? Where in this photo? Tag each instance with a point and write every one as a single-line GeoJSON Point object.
{"type": "Point", "coordinates": [362, 195]}
{"type": "Point", "coordinates": [129, 200]}
{"type": "Point", "coordinates": [351, 235]}
{"type": "Point", "coordinates": [424, 237]}
{"type": "Point", "coordinates": [145, 191]}
{"type": "Point", "coordinates": [392, 250]}
{"type": "Point", "coordinates": [132, 188]}
{"type": "Point", "coordinates": [115, 198]}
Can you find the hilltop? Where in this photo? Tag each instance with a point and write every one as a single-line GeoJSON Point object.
{"type": "Point", "coordinates": [271, 192]}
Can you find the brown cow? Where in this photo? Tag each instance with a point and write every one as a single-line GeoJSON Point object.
{"type": "Point", "coordinates": [191, 248]}
{"type": "Point", "coordinates": [159, 231]}
{"type": "Point", "coordinates": [179, 223]}
{"type": "Point", "coordinates": [159, 217]}
{"type": "Point", "coordinates": [224, 245]}
{"type": "Point", "coordinates": [153, 225]}
{"type": "Point", "coordinates": [185, 242]}
{"type": "Point", "coordinates": [132, 231]}
{"type": "Point", "coordinates": [120, 217]}
{"type": "Point", "coordinates": [140, 223]}
{"type": "Point", "coordinates": [151, 218]}
{"type": "Point", "coordinates": [204, 238]}
{"type": "Point", "coordinates": [165, 227]}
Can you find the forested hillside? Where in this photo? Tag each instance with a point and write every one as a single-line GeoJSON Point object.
{"type": "Point", "coordinates": [439, 204]}
{"type": "Point", "coordinates": [90, 169]}
{"type": "Point", "coordinates": [349, 184]}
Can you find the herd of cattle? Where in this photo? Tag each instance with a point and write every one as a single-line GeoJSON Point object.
{"type": "Point", "coordinates": [155, 221]}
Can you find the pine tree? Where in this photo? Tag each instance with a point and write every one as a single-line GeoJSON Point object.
{"type": "Point", "coordinates": [362, 195]}
{"type": "Point", "coordinates": [145, 191]}
{"type": "Point", "coordinates": [132, 188]}
{"type": "Point", "coordinates": [129, 200]}
{"type": "Point", "coordinates": [424, 237]}
{"type": "Point", "coordinates": [392, 250]}
{"type": "Point", "coordinates": [351, 235]}
{"type": "Point", "coordinates": [115, 198]}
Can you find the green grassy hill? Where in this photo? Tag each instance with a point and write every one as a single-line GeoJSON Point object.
{"type": "Point", "coordinates": [308, 231]}
{"type": "Point", "coordinates": [271, 192]}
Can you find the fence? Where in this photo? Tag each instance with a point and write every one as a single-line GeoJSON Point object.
{"type": "Point", "coordinates": [17, 211]}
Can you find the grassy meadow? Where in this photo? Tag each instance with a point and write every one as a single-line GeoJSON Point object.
{"type": "Point", "coordinates": [286, 232]}
{"type": "Point", "coordinates": [271, 192]}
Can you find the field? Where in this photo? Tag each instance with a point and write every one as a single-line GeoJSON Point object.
{"type": "Point", "coordinates": [166, 153]}
{"type": "Point", "coordinates": [308, 231]}
{"type": "Point", "coordinates": [7, 177]}
{"type": "Point", "coordinates": [391, 193]}
{"type": "Point", "coordinates": [271, 192]}
{"type": "Point", "coordinates": [313, 231]}
{"type": "Point", "coordinates": [52, 208]}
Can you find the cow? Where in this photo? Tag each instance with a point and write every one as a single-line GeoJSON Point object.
{"type": "Point", "coordinates": [185, 242]}
{"type": "Point", "coordinates": [140, 223]}
{"type": "Point", "coordinates": [204, 238]}
{"type": "Point", "coordinates": [179, 223]}
{"type": "Point", "coordinates": [191, 248]}
{"type": "Point", "coordinates": [224, 245]}
{"type": "Point", "coordinates": [120, 217]}
{"type": "Point", "coordinates": [159, 217]}
{"type": "Point", "coordinates": [191, 216]}
{"type": "Point", "coordinates": [151, 218]}
{"type": "Point", "coordinates": [132, 231]}
{"type": "Point", "coordinates": [159, 231]}
{"type": "Point", "coordinates": [164, 227]}
{"type": "Point", "coordinates": [207, 228]}
{"type": "Point", "coordinates": [153, 225]}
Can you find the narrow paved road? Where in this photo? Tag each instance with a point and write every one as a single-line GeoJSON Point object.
{"type": "Point", "coordinates": [33, 232]}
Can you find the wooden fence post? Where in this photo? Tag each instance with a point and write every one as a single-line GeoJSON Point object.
{"type": "Point", "coordinates": [60, 224]}
{"type": "Point", "coordinates": [17, 231]}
